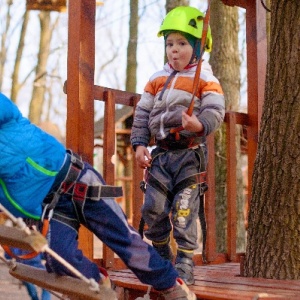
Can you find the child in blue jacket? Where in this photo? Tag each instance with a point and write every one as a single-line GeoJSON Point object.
{"type": "Point", "coordinates": [37, 173]}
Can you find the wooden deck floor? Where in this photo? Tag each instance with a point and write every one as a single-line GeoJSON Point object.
{"type": "Point", "coordinates": [216, 282]}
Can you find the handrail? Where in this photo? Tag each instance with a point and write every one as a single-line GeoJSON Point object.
{"type": "Point", "coordinates": [112, 97]}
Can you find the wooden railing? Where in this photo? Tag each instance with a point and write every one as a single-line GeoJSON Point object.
{"type": "Point", "coordinates": [111, 98]}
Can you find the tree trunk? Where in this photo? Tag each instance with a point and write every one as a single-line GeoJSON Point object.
{"type": "Point", "coordinates": [36, 105]}
{"type": "Point", "coordinates": [225, 63]}
{"type": "Point", "coordinates": [170, 4]}
{"type": "Point", "coordinates": [132, 47]}
{"type": "Point", "coordinates": [15, 87]}
{"type": "Point", "coordinates": [273, 246]}
{"type": "Point", "coordinates": [3, 49]}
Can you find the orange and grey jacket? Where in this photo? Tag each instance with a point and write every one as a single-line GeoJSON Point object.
{"type": "Point", "coordinates": [158, 112]}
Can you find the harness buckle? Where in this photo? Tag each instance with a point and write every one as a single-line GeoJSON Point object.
{"type": "Point", "coordinates": [76, 159]}
{"type": "Point", "coordinates": [47, 213]}
{"type": "Point", "coordinates": [79, 191]}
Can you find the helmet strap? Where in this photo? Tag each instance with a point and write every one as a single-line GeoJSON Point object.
{"type": "Point", "coordinates": [195, 57]}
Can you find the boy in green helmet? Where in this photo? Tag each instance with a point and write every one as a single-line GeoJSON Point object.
{"type": "Point", "coordinates": [174, 167]}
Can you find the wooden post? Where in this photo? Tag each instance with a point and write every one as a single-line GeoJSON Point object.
{"type": "Point", "coordinates": [109, 149]}
{"type": "Point", "coordinates": [231, 186]}
{"type": "Point", "coordinates": [80, 89]}
{"type": "Point", "coordinates": [256, 37]}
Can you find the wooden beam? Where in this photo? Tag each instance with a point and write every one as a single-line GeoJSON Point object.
{"type": "Point", "coordinates": [80, 90]}
{"type": "Point", "coordinates": [109, 148]}
{"type": "Point", "coordinates": [256, 38]}
{"type": "Point", "coordinates": [72, 287]}
{"type": "Point", "coordinates": [14, 237]}
{"type": "Point", "coordinates": [231, 187]}
{"type": "Point", "coordinates": [240, 3]}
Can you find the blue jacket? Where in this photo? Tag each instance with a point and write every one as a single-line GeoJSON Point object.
{"type": "Point", "coordinates": [29, 161]}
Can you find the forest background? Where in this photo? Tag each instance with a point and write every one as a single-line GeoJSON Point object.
{"type": "Point", "coordinates": [33, 67]}
{"type": "Point", "coordinates": [33, 53]}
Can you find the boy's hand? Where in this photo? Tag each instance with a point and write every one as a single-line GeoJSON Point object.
{"type": "Point", "coordinates": [143, 157]}
{"type": "Point", "coordinates": [191, 123]}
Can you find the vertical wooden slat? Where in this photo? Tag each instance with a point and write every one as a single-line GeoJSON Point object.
{"type": "Point", "coordinates": [231, 186]}
{"type": "Point", "coordinates": [108, 153]}
{"type": "Point", "coordinates": [80, 90]}
{"type": "Point", "coordinates": [210, 202]}
{"type": "Point", "coordinates": [137, 194]}
{"type": "Point", "coordinates": [256, 69]}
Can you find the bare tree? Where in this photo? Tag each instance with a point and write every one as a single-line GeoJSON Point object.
{"type": "Point", "coordinates": [132, 47]}
{"type": "Point", "coordinates": [16, 85]}
{"type": "Point", "coordinates": [3, 49]}
{"type": "Point", "coordinates": [170, 4]}
{"type": "Point", "coordinates": [37, 101]}
{"type": "Point", "coordinates": [273, 246]}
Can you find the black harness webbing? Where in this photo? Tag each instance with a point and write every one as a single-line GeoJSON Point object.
{"type": "Point", "coordinates": [166, 84]}
{"type": "Point", "coordinates": [73, 223]}
{"type": "Point", "coordinates": [199, 178]}
{"type": "Point", "coordinates": [66, 183]}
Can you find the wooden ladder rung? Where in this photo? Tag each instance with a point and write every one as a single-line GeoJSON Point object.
{"type": "Point", "coordinates": [66, 285]}
{"type": "Point", "coordinates": [14, 237]}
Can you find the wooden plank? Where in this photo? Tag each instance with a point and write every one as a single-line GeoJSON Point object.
{"type": "Point", "coordinates": [231, 186]}
{"type": "Point", "coordinates": [73, 287]}
{"type": "Point", "coordinates": [256, 39]}
{"type": "Point", "coordinates": [109, 148]}
{"type": "Point", "coordinates": [80, 90]}
{"type": "Point", "coordinates": [220, 282]}
{"type": "Point", "coordinates": [14, 237]}
{"type": "Point", "coordinates": [210, 202]}
{"type": "Point", "coordinates": [137, 194]}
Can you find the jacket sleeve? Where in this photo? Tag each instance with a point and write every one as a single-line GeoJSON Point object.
{"type": "Point", "coordinates": [140, 133]}
{"type": "Point", "coordinates": [212, 109]}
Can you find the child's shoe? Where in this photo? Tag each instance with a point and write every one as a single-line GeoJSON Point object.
{"type": "Point", "coordinates": [180, 291]}
{"type": "Point", "coordinates": [105, 280]}
{"type": "Point", "coordinates": [185, 269]}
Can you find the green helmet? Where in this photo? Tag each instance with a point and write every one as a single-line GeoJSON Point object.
{"type": "Point", "coordinates": [186, 19]}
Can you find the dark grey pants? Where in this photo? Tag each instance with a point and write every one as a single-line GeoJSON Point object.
{"type": "Point", "coordinates": [171, 199]}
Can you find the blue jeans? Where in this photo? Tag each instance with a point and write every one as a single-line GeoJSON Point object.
{"type": "Point", "coordinates": [107, 221]}
{"type": "Point", "coordinates": [32, 292]}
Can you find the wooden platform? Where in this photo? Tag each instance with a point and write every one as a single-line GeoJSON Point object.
{"type": "Point", "coordinates": [216, 282]}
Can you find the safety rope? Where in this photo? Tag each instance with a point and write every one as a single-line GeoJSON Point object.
{"type": "Point", "coordinates": [20, 224]}
{"type": "Point", "coordinates": [196, 81]}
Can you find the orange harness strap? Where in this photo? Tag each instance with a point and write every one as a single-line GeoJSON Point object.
{"type": "Point", "coordinates": [30, 254]}
{"type": "Point", "coordinates": [198, 69]}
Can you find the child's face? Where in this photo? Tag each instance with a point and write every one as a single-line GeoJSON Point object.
{"type": "Point", "coordinates": [178, 50]}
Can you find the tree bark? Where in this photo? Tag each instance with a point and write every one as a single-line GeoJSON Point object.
{"type": "Point", "coordinates": [37, 101]}
{"type": "Point", "coordinates": [273, 246]}
{"type": "Point", "coordinates": [132, 47]}
{"type": "Point", "coordinates": [3, 49]}
{"type": "Point", "coordinates": [15, 76]}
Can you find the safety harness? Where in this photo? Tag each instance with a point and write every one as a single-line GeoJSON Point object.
{"type": "Point", "coordinates": [66, 183]}
{"type": "Point", "coordinates": [180, 142]}
{"type": "Point", "coordinates": [195, 179]}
